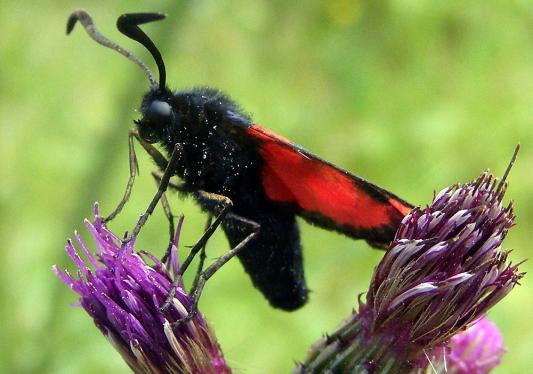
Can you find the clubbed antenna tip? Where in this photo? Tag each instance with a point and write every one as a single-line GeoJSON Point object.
{"type": "Point", "coordinates": [87, 22]}
{"type": "Point", "coordinates": [128, 24]}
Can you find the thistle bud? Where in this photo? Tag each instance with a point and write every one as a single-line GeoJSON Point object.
{"type": "Point", "coordinates": [124, 295]}
{"type": "Point", "coordinates": [477, 350]}
{"type": "Point", "coordinates": [444, 270]}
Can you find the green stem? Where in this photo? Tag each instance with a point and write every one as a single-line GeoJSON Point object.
{"type": "Point", "coordinates": [351, 350]}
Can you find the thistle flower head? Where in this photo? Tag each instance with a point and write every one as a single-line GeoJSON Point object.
{"type": "Point", "coordinates": [477, 350]}
{"type": "Point", "coordinates": [445, 267]}
{"type": "Point", "coordinates": [124, 296]}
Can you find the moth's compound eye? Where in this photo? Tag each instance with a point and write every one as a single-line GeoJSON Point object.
{"type": "Point", "coordinates": [159, 113]}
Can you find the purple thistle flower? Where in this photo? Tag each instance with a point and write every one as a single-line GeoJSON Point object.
{"type": "Point", "coordinates": [124, 296]}
{"type": "Point", "coordinates": [444, 269]}
{"type": "Point", "coordinates": [477, 350]}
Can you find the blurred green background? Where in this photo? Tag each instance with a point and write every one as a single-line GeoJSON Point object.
{"type": "Point", "coordinates": [414, 95]}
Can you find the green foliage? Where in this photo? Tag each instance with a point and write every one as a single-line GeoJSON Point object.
{"type": "Point", "coordinates": [413, 95]}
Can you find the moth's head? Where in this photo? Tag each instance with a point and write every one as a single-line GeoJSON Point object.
{"type": "Point", "coordinates": [159, 119]}
{"type": "Point", "coordinates": [157, 114]}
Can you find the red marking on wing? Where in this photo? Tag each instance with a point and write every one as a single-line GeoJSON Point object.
{"type": "Point", "coordinates": [400, 206]}
{"type": "Point", "coordinates": [292, 175]}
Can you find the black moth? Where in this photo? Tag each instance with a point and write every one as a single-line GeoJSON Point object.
{"type": "Point", "coordinates": [254, 180]}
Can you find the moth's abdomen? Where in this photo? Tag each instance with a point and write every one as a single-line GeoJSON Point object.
{"type": "Point", "coordinates": [273, 259]}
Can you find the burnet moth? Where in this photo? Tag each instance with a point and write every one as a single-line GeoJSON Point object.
{"type": "Point", "coordinates": [253, 180]}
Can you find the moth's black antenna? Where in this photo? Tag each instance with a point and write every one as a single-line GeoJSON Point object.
{"type": "Point", "coordinates": [128, 24]}
{"type": "Point", "coordinates": [87, 22]}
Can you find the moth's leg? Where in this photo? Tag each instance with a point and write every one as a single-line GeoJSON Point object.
{"type": "Point", "coordinates": [181, 188]}
{"type": "Point", "coordinates": [203, 276]}
{"type": "Point", "coordinates": [212, 200]}
{"type": "Point", "coordinates": [153, 152]}
{"type": "Point", "coordinates": [163, 184]}
{"type": "Point", "coordinates": [172, 185]}
{"type": "Point", "coordinates": [160, 160]}
{"type": "Point", "coordinates": [225, 205]}
{"type": "Point", "coordinates": [208, 273]}
{"type": "Point", "coordinates": [194, 250]}
{"type": "Point", "coordinates": [171, 226]}
{"type": "Point", "coordinates": [222, 204]}
{"type": "Point", "coordinates": [215, 202]}
{"type": "Point", "coordinates": [202, 256]}
{"type": "Point", "coordinates": [134, 171]}
{"type": "Point", "coordinates": [219, 203]}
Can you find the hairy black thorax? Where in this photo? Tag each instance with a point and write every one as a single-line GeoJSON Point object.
{"type": "Point", "coordinates": [215, 154]}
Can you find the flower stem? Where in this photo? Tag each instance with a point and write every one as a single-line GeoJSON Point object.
{"type": "Point", "coordinates": [352, 349]}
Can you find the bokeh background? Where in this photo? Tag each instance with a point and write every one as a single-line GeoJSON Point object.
{"type": "Point", "coordinates": [414, 95]}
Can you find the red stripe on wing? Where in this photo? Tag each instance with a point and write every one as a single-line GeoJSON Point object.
{"type": "Point", "coordinates": [293, 175]}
